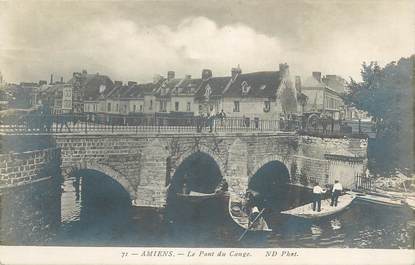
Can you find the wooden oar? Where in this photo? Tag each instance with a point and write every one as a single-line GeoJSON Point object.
{"type": "Point", "coordinates": [252, 224]}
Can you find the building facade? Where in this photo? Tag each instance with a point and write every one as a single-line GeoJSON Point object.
{"type": "Point", "coordinates": [321, 97]}
{"type": "Point", "coordinates": [257, 95]}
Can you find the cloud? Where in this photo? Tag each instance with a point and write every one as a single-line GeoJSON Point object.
{"type": "Point", "coordinates": [127, 51]}
{"type": "Point", "coordinates": [134, 43]}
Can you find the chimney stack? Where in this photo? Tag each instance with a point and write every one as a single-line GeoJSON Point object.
{"type": "Point", "coordinates": [131, 83]}
{"type": "Point", "coordinates": [235, 71]}
{"type": "Point", "coordinates": [117, 83]}
{"type": "Point", "coordinates": [206, 74]}
{"type": "Point", "coordinates": [317, 76]}
{"type": "Point", "coordinates": [284, 69]}
{"type": "Point", "coordinates": [170, 75]}
{"type": "Point", "coordinates": [51, 79]}
{"type": "Point", "coordinates": [298, 83]}
{"type": "Point", "coordinates": [62, 79]}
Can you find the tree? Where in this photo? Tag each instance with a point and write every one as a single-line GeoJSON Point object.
{"type": "Point", "coordinates": [386, 94]}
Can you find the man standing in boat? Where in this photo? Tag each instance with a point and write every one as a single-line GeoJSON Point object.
{"type": "Point", "coordinates": [337, 190]}
{"type": "Point", "coordinates": [253, 216]}
{"type": "Point", "coordinates": [317, 194]}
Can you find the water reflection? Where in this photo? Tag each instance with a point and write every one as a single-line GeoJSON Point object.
{"type": "Point", "coordinates": [98, 212]}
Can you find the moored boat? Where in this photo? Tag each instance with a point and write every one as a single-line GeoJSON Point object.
{"type": "Point", "coordinates": [306, 211]}
{"type": "Point", "coordinates": [194, 196]}
{"type": "Point", "coordinates": [381, 199]}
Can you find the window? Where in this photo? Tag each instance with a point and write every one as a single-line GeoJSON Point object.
{"type": "Point", "coordinates": [176, 106]}
{"type": "Point", "coordinates": [116, 108]}
{"type": "Point", "coordinates": [267, 106]}
{"type": "Point", "coordinates": [151, 105]}
{"type": "Point", "coordinates": [141, 108]}
{"type": "Point", "coordinates": [188, 106]}
{"type": "Point", "coordinates": [134, 108]}
{"type": "Point", "coordinates": [109, 107]}
{"type": "Point", "coordinates": [236, 106]}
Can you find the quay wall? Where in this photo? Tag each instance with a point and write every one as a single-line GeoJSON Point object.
{"type": "Point", "coordinates": [325, 160]}
{"type": "Point", "coordinates": [29, 196]}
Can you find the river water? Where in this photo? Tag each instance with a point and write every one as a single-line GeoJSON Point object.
{"type": "Point", "coordinates": [105, 218]}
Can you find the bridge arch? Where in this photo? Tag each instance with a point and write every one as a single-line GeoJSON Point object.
{"type": "Point", "coordinates": [107, 170]}
{"type": "Point", "coordinates": [266, 160]}
{"type": "Point", "coordinates": [269, 179]}
{"type": "Point", "coordinates": [201, 149]}
{"type": "Point", "coordinates": [199, 170]}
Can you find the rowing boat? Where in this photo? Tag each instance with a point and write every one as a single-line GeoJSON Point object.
{"type": "Point", "coordinates": [241, 218]}
{"type": "Point", "coordinates": [306, 211]}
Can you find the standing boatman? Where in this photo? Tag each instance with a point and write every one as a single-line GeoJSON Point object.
{"type": "Point", "coordinates": [337, 190]}
{"type": "Point", "coordinates": [317, 194]}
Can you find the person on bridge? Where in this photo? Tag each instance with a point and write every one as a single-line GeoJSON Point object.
{"type": "Point", "coordinates": [337, 190]}
{"type": "Point", "coordinates": [211, 121]}
{"type": "Point", "coordinates": [317, 194]}
{"type": "Point", "coordinates": [222, 116]}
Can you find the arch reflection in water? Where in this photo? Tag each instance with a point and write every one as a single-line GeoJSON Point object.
{"type": "Point", "coordinates": [96, 210]}
{"type": "Point", "coordinates": [271, 181]}
{"type": "Point", "coordinates": [194, 222]}
{"type": "Point", "coordinates": [199, 172]}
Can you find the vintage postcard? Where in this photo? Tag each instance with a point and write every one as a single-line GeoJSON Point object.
{"type": "Point", "coordinates": [189, 132]}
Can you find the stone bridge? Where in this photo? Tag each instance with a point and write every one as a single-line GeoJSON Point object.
{"type": "Point", "coordinates": [144, 164]}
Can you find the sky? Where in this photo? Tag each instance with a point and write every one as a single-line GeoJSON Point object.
{"type": "Point", "coordinates": [134, 40]}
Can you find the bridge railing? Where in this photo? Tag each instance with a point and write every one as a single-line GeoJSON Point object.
{"type": "Point", "coordinates": [81, 123]}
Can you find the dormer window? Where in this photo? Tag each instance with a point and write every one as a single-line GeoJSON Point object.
{"type": "Point", "coordinates": [102, 89]}
{"type": "Point", "coordinates": [245, 88]}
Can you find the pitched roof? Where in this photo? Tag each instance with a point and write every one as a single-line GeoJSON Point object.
{"type": "Point", "coordinates": [217, 86]}
{"type": "Point", "coordinates": [166, 86]}
{"type": "Point", "coordinates": [312, 82]}
{"type": "Point", "coordinates": [117, 92]}
{"type": "Point", "coordinates": [257, 84]}
{"type": "Point", "coordinates": [187, 86]}
{"type": "Point", "coordinates": [138, 91]}
{"type": "Point", "coordinates": [91, 84]}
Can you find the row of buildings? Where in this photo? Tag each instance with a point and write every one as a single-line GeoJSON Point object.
{"type": "Point", "coordinates": [262, 95]}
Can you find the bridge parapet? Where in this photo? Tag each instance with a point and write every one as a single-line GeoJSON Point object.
{"type": "Point", "coordinates": [83, 124]}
